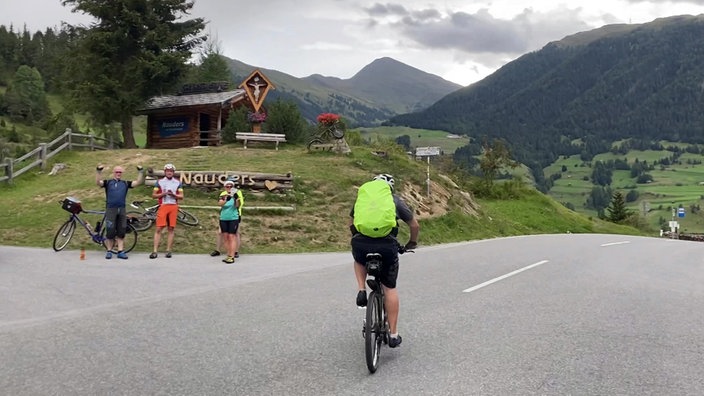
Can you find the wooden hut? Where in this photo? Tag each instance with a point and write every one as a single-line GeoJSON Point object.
{"type": "Point", "coordinates": [194, 117]}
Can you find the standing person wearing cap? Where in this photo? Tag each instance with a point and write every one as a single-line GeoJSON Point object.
{"type": "Point", "coordinates": [115, 203]}
{"type": "Point", "coordinates": [168, 190]}
{"type": "Point", "coordinates": [229, 218]}
{"type": "Point", "coordinates": [220, 237]}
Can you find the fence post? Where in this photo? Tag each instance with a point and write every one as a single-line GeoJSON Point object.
{"type": "Point", "coordinates": [9, 169]}
{"type": "Point", "coordinates": [68, 138]}
{"type": "Point", "coordinates": [91, 140]}
{"type": "Point", "coordinates": [42, 156]}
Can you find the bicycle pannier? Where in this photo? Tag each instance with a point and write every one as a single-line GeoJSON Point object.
{"type": "Point", "coordinates": [72, 205]}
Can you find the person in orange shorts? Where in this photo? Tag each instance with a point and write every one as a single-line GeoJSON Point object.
{"type": "Point", "coordinates": [169, 191]}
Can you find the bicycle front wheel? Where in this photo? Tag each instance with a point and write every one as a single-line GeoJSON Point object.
{"type": "Point", "coordinates": [63, 236]}
{"type": "Point", "coordinates": [129, 242]}
{"type": "Point", "coordinates": [141, 222]}
{"type": "Point", "coordinates": [312, 145]}
{"type": "Point", "coordinates": [186, 218]}
{"type": "Point", "coordinates": [373, 331]}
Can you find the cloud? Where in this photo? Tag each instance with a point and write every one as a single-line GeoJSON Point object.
{"type": "Point", "coordinates": [479, 32]}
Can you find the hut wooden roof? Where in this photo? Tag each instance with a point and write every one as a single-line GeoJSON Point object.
{"type": "Point", "coordinates": [170, 101]}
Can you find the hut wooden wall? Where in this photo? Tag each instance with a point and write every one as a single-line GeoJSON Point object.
{"type": "Point", "coordinates": [191, 137]}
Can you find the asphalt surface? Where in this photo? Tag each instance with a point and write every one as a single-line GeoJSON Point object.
{"type": "Point", "coordinates": [564, 314]}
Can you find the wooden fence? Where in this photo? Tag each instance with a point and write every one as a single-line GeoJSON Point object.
{"type": "Point", "coordinates": [41, 155]}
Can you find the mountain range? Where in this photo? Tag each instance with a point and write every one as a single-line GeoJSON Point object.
{"type": "Point", "coordinates": [585, 92]}
{"type": "Point", "coordinates": [379, 91]}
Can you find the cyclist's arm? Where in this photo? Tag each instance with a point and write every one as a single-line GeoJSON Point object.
{"type": "Point", "coordinates": [99, 178]}
{"type": "Point", "coordinates": [157, 193]}
{"type": "Point", "coordinates": [179, 194]}
{"type": "Point", "coordinates": [140, 179]}
{"type": "Point", "coordinates": [406, 214]}
{"type": "Point", "coordinates": [414, 229]}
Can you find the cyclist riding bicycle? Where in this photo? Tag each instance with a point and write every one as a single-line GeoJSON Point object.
{"type": "Point", "coordinates": [388, 247]}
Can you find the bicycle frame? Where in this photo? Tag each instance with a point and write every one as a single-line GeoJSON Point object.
{"type": "Point", "coordinates": [149, 216]}
{"type": "Point", "coordinates": [98, 235]}
{"type": "Point", "coordinates": [94, 234]}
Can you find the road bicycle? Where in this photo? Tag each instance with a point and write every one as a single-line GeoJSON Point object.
{"type": "Point", "coordinates": [65, 233]}
{"type": "Point", "coordinates": [144, 220]}
{"type": "Point", "coordinates": [376, 326]}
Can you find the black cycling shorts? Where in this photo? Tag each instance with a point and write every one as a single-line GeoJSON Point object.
{"type": "Point", "coordinates": [229, 226]}
{"type": "Point", "coordinates": [387, 247]}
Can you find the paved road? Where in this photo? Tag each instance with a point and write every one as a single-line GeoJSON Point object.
{"type": "Point", "coordinates": [539, 315]}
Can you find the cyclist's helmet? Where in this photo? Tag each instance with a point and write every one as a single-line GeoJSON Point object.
{"type": "Point", "coordinates": [170, 166]}
{"type": "Point", "coordinates": [387, 178]}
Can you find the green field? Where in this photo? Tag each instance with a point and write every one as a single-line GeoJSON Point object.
{"type": "Point", "coordinates": [419, 137]}
{"type": "Point", "coordinates": [673, 186]}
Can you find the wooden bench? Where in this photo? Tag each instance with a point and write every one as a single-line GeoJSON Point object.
{"type": "Point", "coordinates": [261, 137]}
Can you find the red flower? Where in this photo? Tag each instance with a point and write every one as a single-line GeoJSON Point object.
{"type": "Point", "coordinates": [328, 118]}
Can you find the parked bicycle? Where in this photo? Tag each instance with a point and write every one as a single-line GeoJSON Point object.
{"type": "Point", "coordinates": [97, 234]}
{"type": "Point", "coordinates": [327, 135]}
{"type": "Point", "coordinates": [376, 326]}
{"type": "Point", "coordinates": [144, 220]}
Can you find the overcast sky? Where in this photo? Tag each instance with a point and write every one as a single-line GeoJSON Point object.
{"type": "Point", "coordinates": [460, 40]}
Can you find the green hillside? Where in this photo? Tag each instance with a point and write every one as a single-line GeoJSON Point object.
{"type": "Point", "coordinates": [599, 87]}
{"type": "Point", "coordinates": [324, 189]}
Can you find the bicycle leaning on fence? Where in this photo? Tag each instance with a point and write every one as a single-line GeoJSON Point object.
{"type": "Point", "coordinates": [97, 234]}
{"type": "Point", "coordinates": [376, 326]}
{"type": "Point", "coordinates": [144, 220]}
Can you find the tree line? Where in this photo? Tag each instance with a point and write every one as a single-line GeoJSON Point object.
{"type": "Point", "coordinates": [104, 71]}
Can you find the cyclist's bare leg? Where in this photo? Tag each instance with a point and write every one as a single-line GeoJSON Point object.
{"type": "Point", "coordinates": [157, 238]}
{"type": "Point", "coordinates": [237, 240]}
{"type": "Point", "coordinates": [108, 244]}
{"type": "Point", "coordinates": [360, 272]}
{"type": "Point", "coordinates": [230, 244]}
{"type": "Point", "coordinates": [120, 244]}
{"type": "Point", "coordinates": [391, 305]}
{"type": "Point", "coordinates": [170, 239]}
{"type": "Point", "coordinates": [220, 241]}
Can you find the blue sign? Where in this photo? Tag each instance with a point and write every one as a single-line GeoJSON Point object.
{"type": "Point", "coordinates": [680, 212]}
{"type": "Point", "coordinates": [172, 126]}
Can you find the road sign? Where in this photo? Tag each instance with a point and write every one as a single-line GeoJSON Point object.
{"type": "Point", "coordinates": [427, 151]}
{"type": "Point", "coordinates": [680, 212]}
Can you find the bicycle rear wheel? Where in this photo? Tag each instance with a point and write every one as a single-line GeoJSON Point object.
{"type": "Point", "coordinates": [64, 234]}
{"type": "Point", "coordinates": [373, 331]}
{"type": "Point", "coordinates": [141, 222]}
{"type": "Point", "coordinates": [186, 218]}
{"type": "Point", "coordinates": [129, 242]}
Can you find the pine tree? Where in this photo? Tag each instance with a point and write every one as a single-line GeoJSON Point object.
{"type": "Point", "coordinates": [617, 209]}
{"type": "Point", "coordinates": [134, 50]}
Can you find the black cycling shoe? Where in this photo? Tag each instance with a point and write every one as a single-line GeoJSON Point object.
{"type": "Point", "coordinates": [362, 298]}
{"type": "Point", "coordinates": [394, 341]}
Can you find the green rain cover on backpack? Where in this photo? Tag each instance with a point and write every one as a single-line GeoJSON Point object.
{"type": "Point", "coordinates": [374, 209]}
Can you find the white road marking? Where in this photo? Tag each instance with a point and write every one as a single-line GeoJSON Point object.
{"type": "Point", "coordinates": [615, 243]}
{"type": "Point", "coordinates": [487, 283]}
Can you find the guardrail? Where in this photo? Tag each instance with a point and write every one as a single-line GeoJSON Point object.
{"type": "Point", "coordinates": [40, 155]}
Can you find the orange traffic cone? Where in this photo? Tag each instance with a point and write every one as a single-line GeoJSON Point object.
{"type": "Point", "coordinates": [83, 253]}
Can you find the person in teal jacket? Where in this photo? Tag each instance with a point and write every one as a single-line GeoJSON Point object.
{"type": "Point", "coordinates": [229, 218]}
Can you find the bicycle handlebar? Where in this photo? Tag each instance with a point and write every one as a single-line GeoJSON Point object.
{"type": "Point", "coordinates": [402, 249]}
